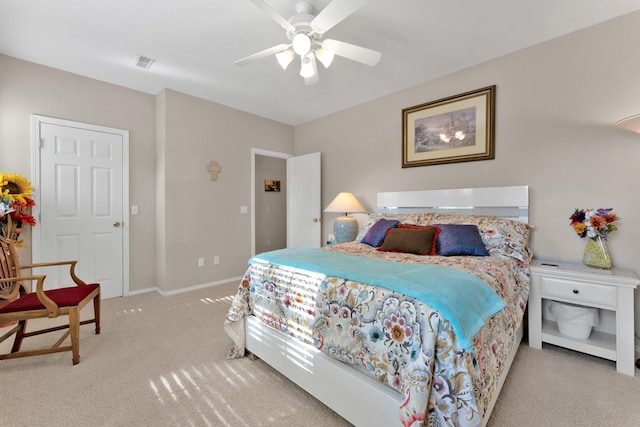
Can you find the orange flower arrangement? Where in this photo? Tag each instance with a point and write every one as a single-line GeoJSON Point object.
{"type": "Point", "coordinates": [15, 205]}
{"type": "Point", "coordinates": [592, 223]}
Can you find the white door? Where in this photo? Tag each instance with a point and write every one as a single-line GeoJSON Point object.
{"type": "Point", "coordinates": [82, 201]}
{"type": "Point", "coordinates": [303, 201]}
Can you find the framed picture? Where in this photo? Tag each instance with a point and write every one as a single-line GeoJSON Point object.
{"type": "Point", "coordinates": [459, 128]}
{"type": "Point", "coordinates": [271, 185]}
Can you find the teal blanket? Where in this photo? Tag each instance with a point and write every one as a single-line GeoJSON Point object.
{"type": "Point", "coordinates": [462, 298]}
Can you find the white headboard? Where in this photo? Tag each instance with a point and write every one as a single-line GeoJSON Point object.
{"type": "Point", "coordinates": [511, 202]}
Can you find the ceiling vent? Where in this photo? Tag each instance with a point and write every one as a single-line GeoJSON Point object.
{"type": "Point", "coordinates": [144, 62]}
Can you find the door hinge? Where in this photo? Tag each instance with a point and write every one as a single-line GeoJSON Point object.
{"type": "Point", "coordinates": [40, 142]}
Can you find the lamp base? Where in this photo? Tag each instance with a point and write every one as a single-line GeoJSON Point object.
{"type": "Point", "coordinates": [345, 229]}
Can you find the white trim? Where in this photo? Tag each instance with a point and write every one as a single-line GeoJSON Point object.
{"type": "Point", "coordinates": [259, 152]}
{"type": "Point", "coordinates": [36, 121]}
{"type": "Point", "coordinates": [511, 196]}
{"type": "Point", "coordinates": [183, 290]}
{"type": "Point", "coordinates": [511, 201]}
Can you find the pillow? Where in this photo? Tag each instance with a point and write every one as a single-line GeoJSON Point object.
{"type": "Point", "coordinates": [376, 233]}
{"type": "Point", "coordinates": [422, 219]}
{"type": "Point", "coordinates": [434, 250]}
{"type": "Point", "coordinates": [502, 236]}
{"type": "Point", "coordinates": [460, 239]}
{"type": "Point", "coordinates": [414, 226]}
{"type": "Point", "coordinates": [411, 240]}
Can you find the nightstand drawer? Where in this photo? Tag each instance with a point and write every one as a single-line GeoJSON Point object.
{"type": "Point", "coordinates": [577, 292]}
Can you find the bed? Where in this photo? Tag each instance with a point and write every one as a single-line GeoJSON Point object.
{"type": "Point", "coordinates": [384, 334]}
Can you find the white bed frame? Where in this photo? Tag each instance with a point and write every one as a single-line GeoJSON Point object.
{"type": "Point", "coordinates": [356, 397]}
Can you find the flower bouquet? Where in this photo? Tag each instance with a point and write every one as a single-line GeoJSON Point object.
{"type": "Point", "coordinates": [15, 206]}
{"type": "Point", "coordinates": [596, 224]}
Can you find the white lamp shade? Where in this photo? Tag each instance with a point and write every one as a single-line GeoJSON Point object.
{"type": "Point", "coordinates": [306, 68]}
{"type": "Point", "coordinates": [285, 57]}
{"type": "Point", "coordinates": [325, 56]}
{"type": "Point", "coordinates": [345, 203]}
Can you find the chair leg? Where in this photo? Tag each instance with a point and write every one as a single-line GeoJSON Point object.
{"type": "Point", "coordinates": [96, 312]}
{"type": "Point", "coordinates": [17, 342]}
{"type": "Point", "coordinates": [74, 329]}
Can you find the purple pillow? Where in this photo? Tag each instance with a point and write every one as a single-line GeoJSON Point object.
{"type": "Point", "coordinates": [460, 239]}
{"type": "Point", "coordinates": [377, 232]}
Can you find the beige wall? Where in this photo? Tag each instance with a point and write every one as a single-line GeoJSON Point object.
{"type": "Point", "coordinates": [27, 88]}
{"type": "Point", "coordinates": [555, 108]}
{"type": "Point", "coordinates": [202, 218]}
{"type": "Point", "coordinates": [173, 137]}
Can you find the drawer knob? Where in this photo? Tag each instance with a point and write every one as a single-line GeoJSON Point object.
{"type": "Point", "coordinates": [575, 291]}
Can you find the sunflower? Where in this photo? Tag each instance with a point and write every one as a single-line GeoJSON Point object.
{"type": "Point", "coordinates": [16, 187]}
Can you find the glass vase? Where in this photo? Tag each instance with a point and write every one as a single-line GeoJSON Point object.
{"type": "Point", "coordinates": [596, 253]}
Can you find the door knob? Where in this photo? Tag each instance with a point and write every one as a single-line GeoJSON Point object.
{"type": "Point", "coordinates": [116, 224]}
{"type": "Point", "coordinates": [315, 220]}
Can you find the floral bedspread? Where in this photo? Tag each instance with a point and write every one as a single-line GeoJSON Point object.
{"type": "Point", "coordinates": [398, 340]}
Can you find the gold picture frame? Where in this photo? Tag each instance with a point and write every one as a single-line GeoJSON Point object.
{"type": "Point", "coordinates": [272, 185]}
{"type": "Point", "coordinates": [460, 128]}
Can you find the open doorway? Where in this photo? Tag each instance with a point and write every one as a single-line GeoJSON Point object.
{"type": "Point", "coordinates": [269, 195]}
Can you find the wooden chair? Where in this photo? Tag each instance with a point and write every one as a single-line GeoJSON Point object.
{"type": "Point", "coordinates": [25, 304]}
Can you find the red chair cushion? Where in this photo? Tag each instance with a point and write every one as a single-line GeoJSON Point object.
{"type": "Point", "coordinates": [64, 297]}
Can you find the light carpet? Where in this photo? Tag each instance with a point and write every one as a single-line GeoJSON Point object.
{"type": "Point", "coordinates": [161, 361]}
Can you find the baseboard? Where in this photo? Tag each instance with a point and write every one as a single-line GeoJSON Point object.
{"type": "Point", "coordinates": [182, 290]}
{"type": "Point", "coordinates": [142, 291]}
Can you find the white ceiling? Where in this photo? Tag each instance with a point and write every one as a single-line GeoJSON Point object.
{"type": "Point", "coordinates": [195, 42]}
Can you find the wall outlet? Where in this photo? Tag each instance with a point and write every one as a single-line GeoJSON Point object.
{"type": "Point", "coordinates": [200, 262]}
{"type": "Point", "coordinates": [216, 259]}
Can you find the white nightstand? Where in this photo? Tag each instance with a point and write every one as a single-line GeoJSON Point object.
{"type": "Point", "coordinates": [574, 283]}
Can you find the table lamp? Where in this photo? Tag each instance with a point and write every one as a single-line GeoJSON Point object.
{"type": "Point", "coordinates": [345, 227]}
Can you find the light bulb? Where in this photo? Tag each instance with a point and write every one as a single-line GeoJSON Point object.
{"type": "Point", "coordinates": [301, 44]}
{"type": "Point", "coordinates": [444, 137]}
{"type": "Point", "coordinates": [306, 68]}
{"type": "Point", "coordinates": [325, 56]}
{"type": "Point", "coordinates": [460, 135]}
{"type": "Point", "coordinates": [285, 57]}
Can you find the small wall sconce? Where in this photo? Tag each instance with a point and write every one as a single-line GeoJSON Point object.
{"type": "Point", "coordinates": [630, 123]}
{"type": "Point", "coordinates": [214, 169]}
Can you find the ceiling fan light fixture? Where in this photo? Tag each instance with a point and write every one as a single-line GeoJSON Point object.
{"type": "Point", "coordinates": [306, 68]}
{"type": "Point", "coordinates": [285, 57]}
{"type": "Point", "coordinates": [301, 44]}
{"type": "Point", "coordinates": [325, 56]}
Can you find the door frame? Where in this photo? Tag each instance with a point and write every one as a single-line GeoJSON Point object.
{"type": "Point", "coordinates": [259, 152]}
{"type": "Point", "coordinates": [36, 121]}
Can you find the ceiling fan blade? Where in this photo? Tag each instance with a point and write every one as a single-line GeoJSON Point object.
{"type": "Point", "coordinates": [353, 52]}
{"type": "Point", "coordinates": [274, 15]}
{"type": "Point", "coordinates": [262, 54]}
{"type": "Point", "coordinates": [335, 12]}
{"type": "Point", "coordinates": [308, 81]}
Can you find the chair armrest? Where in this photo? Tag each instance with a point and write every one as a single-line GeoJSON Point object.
{"type": "Point", "coordinates": [21, 289]}
{"type": "Point", "coordinates": [51, 306]}
{"type": "Point", "coordinates": [71, 264]}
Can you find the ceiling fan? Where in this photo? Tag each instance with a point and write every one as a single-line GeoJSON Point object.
{"type": "Point", "coordinates": [305, 31]}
